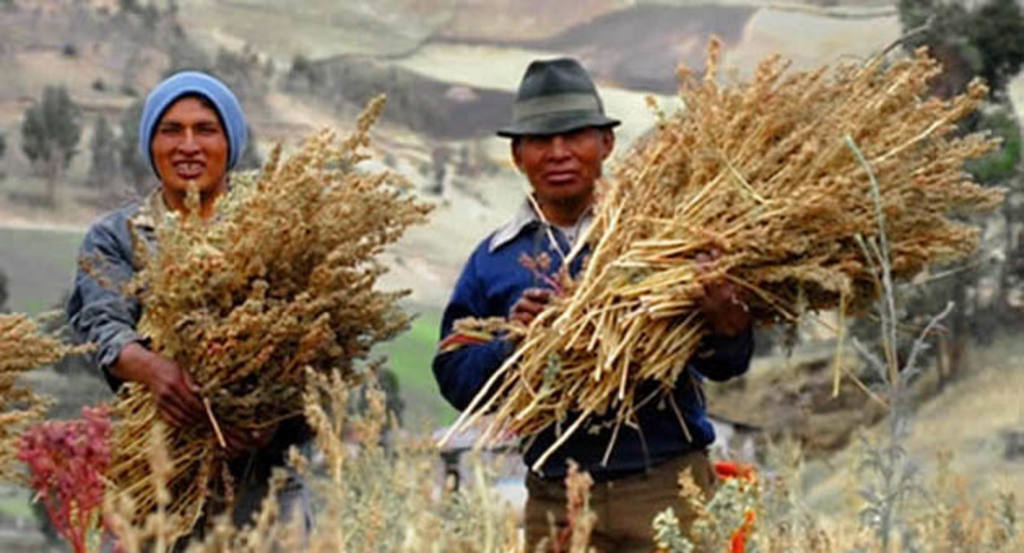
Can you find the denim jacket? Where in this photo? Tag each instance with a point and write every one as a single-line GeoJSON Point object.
{"type": "Point", "coordinates": [98, 310]}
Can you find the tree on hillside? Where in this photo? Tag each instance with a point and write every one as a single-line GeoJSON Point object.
{"type": "Point", "coordinates": [984, 39]}
{"type": "Point", "coordinates": [303, 76]}
{"type": "Point", "coordinates": [242, 72]}
{"type": "Point", "coordinates": [135, 171]}
{"type": "Point", "coordinates": [130, 6]}
{"type": "Point", "coordinates": [150, 16]}
{"type": "Point", "coordinates": [49, 135]}
{"type": "Point", "coordinates": [103, 147]}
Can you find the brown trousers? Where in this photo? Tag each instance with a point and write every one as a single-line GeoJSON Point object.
{"type": "Point", "coordinates": [625, 507]}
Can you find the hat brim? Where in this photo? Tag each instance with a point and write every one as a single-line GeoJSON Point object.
{"type": "Point", "coordinates": [557, 123]}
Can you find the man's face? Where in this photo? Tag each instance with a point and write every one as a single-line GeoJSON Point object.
{"type": "Point", "coordinates": [563, 167]}
{"type": "Point", "coordinates": [190, 145]}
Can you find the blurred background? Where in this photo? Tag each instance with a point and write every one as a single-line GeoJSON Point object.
{"type": "Point", "coordinates": [73, 75]}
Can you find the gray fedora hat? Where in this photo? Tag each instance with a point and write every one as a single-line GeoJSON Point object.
{"type": "Point", "coordinates": [555, 96]}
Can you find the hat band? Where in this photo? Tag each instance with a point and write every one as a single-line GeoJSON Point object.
{"type": "Point", "coordinates": [554, 103]}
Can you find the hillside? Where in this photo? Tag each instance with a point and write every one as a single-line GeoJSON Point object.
{"type": "Point", "coordinates": [970, 435]}
{"type": "Point", "coordinates": [448, 92]}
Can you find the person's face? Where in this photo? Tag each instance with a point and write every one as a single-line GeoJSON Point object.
{"type": "Point", "coordinates": [563, 167]}
{"type": "Point", "coordinates": [190, 145]}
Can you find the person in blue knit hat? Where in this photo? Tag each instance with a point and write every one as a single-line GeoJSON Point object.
{"type": "Point", "coordinates": [192, 130]}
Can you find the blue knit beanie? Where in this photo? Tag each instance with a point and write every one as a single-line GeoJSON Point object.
{"type": "Point", "coordinates": [201, 84]}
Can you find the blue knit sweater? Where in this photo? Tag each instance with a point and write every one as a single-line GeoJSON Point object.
{"type": "Point", "coordinates": [491, 282]}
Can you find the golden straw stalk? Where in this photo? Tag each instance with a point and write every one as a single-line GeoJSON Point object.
{"type": "Point", "coordinates": [759, 171]}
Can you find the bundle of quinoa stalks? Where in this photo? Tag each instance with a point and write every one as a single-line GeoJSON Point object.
{"type": "Point", "coordinates": [769, 174]}
{"type": "Point", "coordinates": [23, 347]}
{"type": "Point", "coordinates": [282, 279]}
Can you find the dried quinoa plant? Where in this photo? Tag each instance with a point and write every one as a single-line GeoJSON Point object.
{"type": "Point", "coordinates": [281, 280]}
{"type": "Point", "coordinates": [377, 490]}
{"type": "Point", "coordinates": [383, 490]}
{"type": "Point", "coordinates": [22, 348]}
{"type": "Point", "coordinates": [763, 173]}
{"type": "Point", "coordinates": [763, 516]}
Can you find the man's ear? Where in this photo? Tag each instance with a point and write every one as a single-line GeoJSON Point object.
{"type": "Point", "coordinates": [607, 142]}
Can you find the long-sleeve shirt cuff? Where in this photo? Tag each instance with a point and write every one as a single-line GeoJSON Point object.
{"type": "Point", "coordinates": [109, 350]}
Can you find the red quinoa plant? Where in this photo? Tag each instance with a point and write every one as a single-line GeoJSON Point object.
{"type": "Point", "coordinates": [66, 460]}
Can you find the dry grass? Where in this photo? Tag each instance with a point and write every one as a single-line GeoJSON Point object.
{"type": "Point", "coordinates": [376, 498]}
{"type": "Point", "coordinates": [282, 281]}
{"type": "Point", "coordinates": [22, 348]}
{"type": "Point", "coordinates": [763, 514]}
{"type": "Point", "coordinates": [379, 490]}
{"type": "Point", "coordinates": [767, 173]}
{"type": "Point", "coordinates": [376, 491]}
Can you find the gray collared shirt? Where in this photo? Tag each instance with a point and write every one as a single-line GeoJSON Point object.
{"type": "Point", "coordinates": [527, 216]}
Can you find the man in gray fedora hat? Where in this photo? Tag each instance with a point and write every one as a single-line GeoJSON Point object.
{"type": "Point", "coordinates": [560, 140]}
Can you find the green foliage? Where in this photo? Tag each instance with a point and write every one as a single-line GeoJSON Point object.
{"type": "Point", "coordinates": [51, 128]}
{"type": "Point", "coordinates": [983, 39]}
{"type": "Point", "coordinates": [301, 64]}
{"type": "Point", "coordinates": [409, 357]}
{"type": "Point", "coordinates": [242, 72]}
{"type": "Point", "coordinates": [999, 166]}
{"type": "Point", "coordinates": [998, 34]}
{"type": "Point", "coordinates": [150, 16]}
{"type": "Point", "coordinates": [131, 6]}
{"type": "Point", "coordinates": [304, 75]}
{"type": "Point", "coordinates": [3, 145]}
{"type": "Point", "coordinates": [355, 80]}
{"type": "Point", "coordinates": [103, 146]}
{"type": "Point", "coordinates": [987, 38]}
{"type": "Point", "coordinates": [49, 136]}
